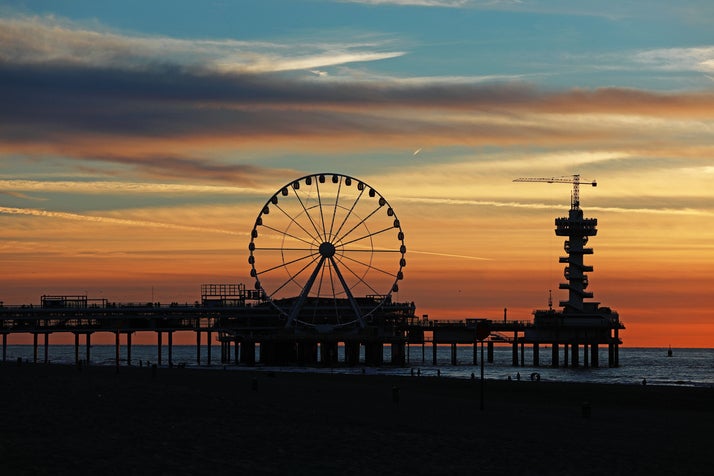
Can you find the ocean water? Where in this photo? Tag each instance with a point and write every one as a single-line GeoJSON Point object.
{"type": "Point", "coordinates": [686, 367]}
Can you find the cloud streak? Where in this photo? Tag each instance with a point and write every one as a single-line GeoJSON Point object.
{"type": "Point", "coordinates": [103, 187]}
{"type": "Point", "coordinates": [49, 40]}
{"type": "Point", "coordinates": [34, 212]}
{"type": "Point", "coordinates": [126, 104]}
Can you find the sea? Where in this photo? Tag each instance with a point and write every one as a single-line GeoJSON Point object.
{"type": "Point", "coordinates": [651, 366]}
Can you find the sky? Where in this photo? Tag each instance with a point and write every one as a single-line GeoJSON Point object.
{"type": "Point", "coordinates": [140, 140]}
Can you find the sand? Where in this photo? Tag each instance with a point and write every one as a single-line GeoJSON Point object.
{"type": "Point", "coordinates": [58, 420]}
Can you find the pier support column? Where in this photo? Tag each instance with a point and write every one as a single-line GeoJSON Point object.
{"type": "Point", "coordinates": [328, 353]}
{"type": "Point", "coordinates": [266, 352]}
{"type": "Point", "coordinates": [128, 349]}
{"type": "Point", "coordinates": [574, 355]}
{"type": "Point", "coordinates": [352, 352]}
{"type": "Point", "coordinates": [398, 357]}
{"type": "Point", "coordinates": [208, 347]}
{"type": "Point", "coordinates": [565, 355]}
{"type": "Point", "coordinates": [586, 364]}
{"type": "Point", "coordinates": [433, 348]}
{"type": "Point", "coordinates": [236, 351]}
{"type": "Point", "coordinates": [47, 347]}
{"type": "Point", "coordinates": [453, 354]}
{"type": "Point", "coordinates": [4, 347]}
{"type": "Point", "coordinates": [536, 355]}
{"type": "Point", "coordinates": [555, 357]}
{"type": "Point", "coordinates": [307, 352]}
{"type": "Point", "coordinates": [476, 352]}
{"type": "Point", "coordinates": [247, 352]}
{"type": "Point", "coordinates": [594, 356]}
{"type": "Point", "coordinates": [171, 348]}
{"type": "Point", "coordinates": [515, 353]}
{"type": "Point", "coordinates": [158, 347]}
{"type": "Point", "coordinates": [117, 357]}
{"type": "Point", "coordinates": [489, 352]}
{"type": "Point", "coordinates": [523, 354]}
{"type": "Point", "coordinates": [374, 354]}
{"type": "Point", "coordinates": [88, 342]}
{"type": "Point", "coordinates": [198, 348]}
{"type": "Point", "coordinates": [34, 346]}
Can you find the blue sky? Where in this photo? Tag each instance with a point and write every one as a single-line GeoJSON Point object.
{"type": "Point", "coordinates": [557, 43]}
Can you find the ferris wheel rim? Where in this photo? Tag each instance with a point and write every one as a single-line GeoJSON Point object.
{"type": "Point", "coordinates": [326, 248]}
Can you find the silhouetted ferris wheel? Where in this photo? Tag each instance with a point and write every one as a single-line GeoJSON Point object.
{"type": "Point", "coordinates": [327, 251]}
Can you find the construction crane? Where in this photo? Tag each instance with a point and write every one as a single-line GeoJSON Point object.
{"type": "Point", "coordinates": [573, 179]}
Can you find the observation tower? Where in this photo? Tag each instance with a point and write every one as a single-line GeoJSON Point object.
{"type": "Point", "coordinates": [580, 322]}
{"type": "Point", "coordinates": [577, 229]}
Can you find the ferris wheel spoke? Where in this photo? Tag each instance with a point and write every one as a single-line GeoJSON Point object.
{"type": "Point", "coordinates": [283, 249]}
{"type": "Point", "coordinates": [349, 213]}
{"type": "Point", "coordinates": [331, 286]}
{"type": "Point", "coordinates": [334, 211]}
{"type": "Point", "coordinates": [307, 214]}
{"type": "Point", "coordinates": [367, 250]}
{"type": "Point", "coordinates": [292, 278]}
{"type": "Point", "coordinates": [297, 223]}
{"type": "Point", "coordinates": [369, 235]}
{"type": "Point", "coordinates": [361, 222]}
{"type": "Point", "coordinates": [360, 279]}
{"type": "Point", "coordinates": [283, 265]}
{"type": "Point", "coordinates": [368, 266]}
{"type": "Point", "coordinates": [322, 212]}
{"type": "Point", "coordinates": [287, 234]}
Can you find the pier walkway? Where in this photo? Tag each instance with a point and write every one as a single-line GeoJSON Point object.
{"type": "Point", "coordinates": [239, 327]}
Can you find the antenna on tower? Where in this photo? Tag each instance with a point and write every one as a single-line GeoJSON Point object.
{"type": "Point", "coordinates": [550, 299]}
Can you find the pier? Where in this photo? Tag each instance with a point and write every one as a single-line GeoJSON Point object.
{"type": "Point", "coordinates": [324, 278]}
{"type": "Point", "coordinates": [236, 323]}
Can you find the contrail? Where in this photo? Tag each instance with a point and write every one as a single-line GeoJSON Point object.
{"type": "Point", "coordinates": [115, 221]}
{"type": "Point", "coordinates": [545, 206]}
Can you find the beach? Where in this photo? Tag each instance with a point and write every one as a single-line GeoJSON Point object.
{"type": "Point", "coordinates": [58, 419]}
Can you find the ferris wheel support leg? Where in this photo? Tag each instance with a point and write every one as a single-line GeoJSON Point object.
{"type": "Point", "coordinates": [351, 298]}
{"type": "Point", "coordinates": [297, 307]}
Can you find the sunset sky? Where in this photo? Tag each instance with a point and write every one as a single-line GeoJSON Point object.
{"type": "Point", "coordinates": [140, 139]}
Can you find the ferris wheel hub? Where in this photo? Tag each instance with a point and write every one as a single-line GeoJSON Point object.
{"type": "Point", "coordinates": [327, 249]}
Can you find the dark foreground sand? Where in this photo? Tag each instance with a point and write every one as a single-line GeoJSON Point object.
{"type": "Point", "coordinates": [58, 420]}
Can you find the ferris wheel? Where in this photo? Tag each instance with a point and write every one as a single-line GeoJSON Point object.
{"type": "Point", "coordinates": [327, 250]}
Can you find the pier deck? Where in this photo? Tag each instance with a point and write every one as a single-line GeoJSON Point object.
{"type": "Point", "coordinates": [246, 326]}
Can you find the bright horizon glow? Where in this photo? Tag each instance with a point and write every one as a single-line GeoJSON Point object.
{"type": "Point", "coordinates": [137, 148]}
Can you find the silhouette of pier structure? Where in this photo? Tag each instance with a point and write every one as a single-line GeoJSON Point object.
{"type": "Point", "coordinates": [328, 244]}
